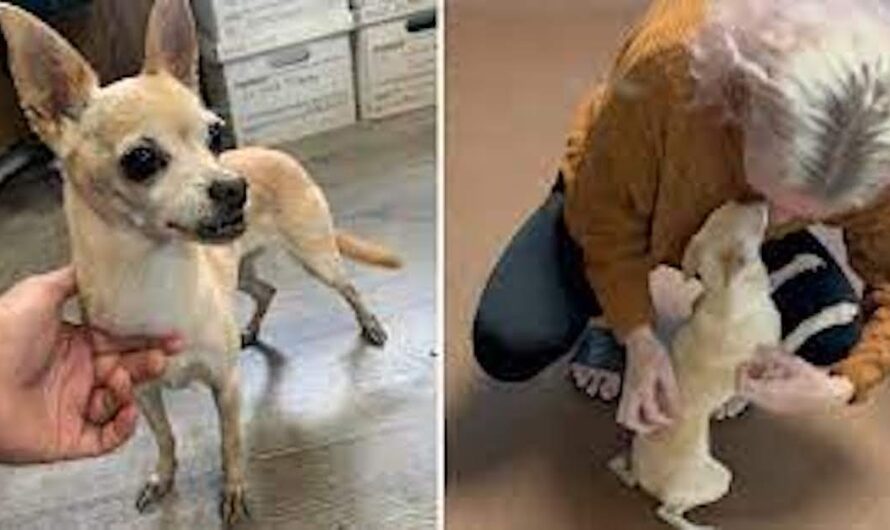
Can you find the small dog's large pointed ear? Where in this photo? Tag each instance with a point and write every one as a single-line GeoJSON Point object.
{"type": "Point", "coordinates": [54, 82]}
{"type": "Point", "coordinates": [171, 42]}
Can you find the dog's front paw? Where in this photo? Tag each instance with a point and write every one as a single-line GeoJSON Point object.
{"type": "Point", "coordinates": [152, 492]}
{"type": "Point", "coordinates": [373, 332]}
{"type": "Point", "coordinates": [233, 507]}
{"type": "Point", "coordinates": [733, 408]}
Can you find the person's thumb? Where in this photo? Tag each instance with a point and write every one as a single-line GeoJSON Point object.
{"type": "Point", "coordinates": [59, 285]}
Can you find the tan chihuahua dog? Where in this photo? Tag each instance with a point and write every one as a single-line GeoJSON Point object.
{"type": "Point", "coordinates": [733, 317]}
{"type": "Point", "coordinates": [160, 220]}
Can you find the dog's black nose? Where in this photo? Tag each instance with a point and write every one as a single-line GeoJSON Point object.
{"type": "Point", "coordinates": [229, 192]}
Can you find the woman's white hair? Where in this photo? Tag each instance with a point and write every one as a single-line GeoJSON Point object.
{"type": "Point", "coordinates": [815, 89]}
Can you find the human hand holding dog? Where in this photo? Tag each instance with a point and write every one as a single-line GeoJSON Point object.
{"type": "Point", "coordinates": [60, 399]}
{"type": "Point", "coordinates": [650, 399]}
{"type": "Point", "coordinates": [786, 384]}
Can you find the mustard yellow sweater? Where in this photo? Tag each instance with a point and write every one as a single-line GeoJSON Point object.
{"type": "Point", "coordinates": [644, 169]}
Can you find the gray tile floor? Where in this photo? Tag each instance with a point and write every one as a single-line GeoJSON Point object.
{"type": "Point", "coordinates": [339, 436]}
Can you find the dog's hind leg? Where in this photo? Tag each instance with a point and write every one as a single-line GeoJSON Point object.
{"type": "Point", "coordinates": [621, 466]}
{"type": "Point", "coordinates": [314, 244]}
{"type": "Point", "coordinates": [674, 516]}
{"type": "Point", "coordinates": [335, 277]}
{"type": "Point", "coordinates": [261, 292]}
{"type": "Point", "coordinates": [161, 481]}
{"type": "Point", "coordinates": [233, 505]}
{"type": "Point", "coordinates": [287, 204]}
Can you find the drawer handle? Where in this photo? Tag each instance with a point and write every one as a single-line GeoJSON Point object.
{"type": "Point", "coordinates": [423, 21]}
{"type": "Point", "coordinates": [290, 57]}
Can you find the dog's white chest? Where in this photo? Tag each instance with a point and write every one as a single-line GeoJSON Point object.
{"type": "Point", "coordinates": [170, 292]}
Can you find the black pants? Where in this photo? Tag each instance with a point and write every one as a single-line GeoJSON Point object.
{"type": "Point", "coordinates": [538, 301]}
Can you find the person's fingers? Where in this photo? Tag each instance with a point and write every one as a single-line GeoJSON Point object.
{"type": "Point", "coordinates": [778, 371]}
{"type": "Point", "coordinates": [102, 407]}
{"type": "Point", "coordinates": [743, 374]}
{"type": "Point", "coordinates": [628, 399]}
{"type": "Point", "coordinates": [103, 366]}
{"type": "Point", "coordinates": [769, 395]}
{"type": "Point", "coordinates": [144, 366]}
{"type": "Point", "coordinates": [98, 440]}
{"type": "Point", "coordinates": [121, 386]}
{"type": "Point", "coordinates": [624, 416]}
{"type": "Point", "coordinates": [785, 368]}
{"type": "Point", "coordinates": [670, 392]}
{"type": "Point", "coordinates": [59, 285]}
{"type": "Point", "coordinates": [651, 412]}
{"type": "Point", "coordinates": [630, 416]}
{"type": "Point", "coordinates": [747, 385]}
{"type": "Point", "coordinates": [637, 423]}
{"type": "Point", "coordinates": [766, 368]}
{"type": "Point", "coordinates": [751, 369]}
{"type": "Point", "coordinates": [106, 343]}
{"type": "Point", "coordinates": [173, 343]}
{"type": "Point", "coordinates": [118, 431]}
{"type": "Point", "coordinates": [114, 390]}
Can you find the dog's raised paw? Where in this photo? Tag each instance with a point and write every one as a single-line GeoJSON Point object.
{"type": "Point", "coordinates": [152, 492]}
{"type": "Point", "coordinates": [233, 506]}
{"type": "Point", "coordinates": [373, 332]}
{"type": "Point", "coordinates": [733, 408]}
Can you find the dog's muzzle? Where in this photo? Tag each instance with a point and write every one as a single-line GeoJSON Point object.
{"type": "Point", "coordinates": [229, 197]}
{"type": "Point", "coordinates": [224, 227]}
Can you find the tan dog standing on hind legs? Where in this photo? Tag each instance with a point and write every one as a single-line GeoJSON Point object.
{"type": "Point", "coordinates": [734, 316]}
{"type": "Point", "coordinates": [159, 220]}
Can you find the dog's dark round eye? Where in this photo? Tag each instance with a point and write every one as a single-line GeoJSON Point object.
{"type": "Point", "coordinates": [215, 138]}
{"type": "Point", "coordinates": [143, 161]}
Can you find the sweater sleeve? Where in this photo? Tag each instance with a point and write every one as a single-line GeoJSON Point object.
{"type": "Point", "coordinates": [610, 204]}
{"type": "Point", "coordinates": [868, 364]}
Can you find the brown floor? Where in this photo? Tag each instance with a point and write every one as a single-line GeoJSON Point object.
{"type": "Point", "coordinates": [339, 435]}
{"type": "Point", "coordinates": [531, 456]}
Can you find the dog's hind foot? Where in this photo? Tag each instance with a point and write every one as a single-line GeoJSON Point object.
{"type": "Point", "coordinates": [673, 516]}
{"type": "Point", "coordinates": [152, 492]}
{"type": "Point", "coordinates": [233, 506]}
{"type": "Point", "coordinates": [373, 332]}
{"type": "Point", "coordinates": [249, 338]}
{"type": "Point", "coordinates": [621, 466]}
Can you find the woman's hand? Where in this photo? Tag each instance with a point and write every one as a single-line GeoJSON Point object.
{"type": "Point", "coordinates": [650, 399]}
{"type": "Point", "coordinates": [66, 391]}
{"type": "Point", "coordinates": [786, 384]}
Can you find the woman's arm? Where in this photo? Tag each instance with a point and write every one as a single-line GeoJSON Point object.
{"type": "Point", "coordinates": [868, 245]}
{"type": "Point", "coordinates": [613, 172]}
{"type": "Point", "coordinates": [612, 184]}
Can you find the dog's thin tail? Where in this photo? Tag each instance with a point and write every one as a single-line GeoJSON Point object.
{"type": "Point", "coordinates": [358, 249]}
